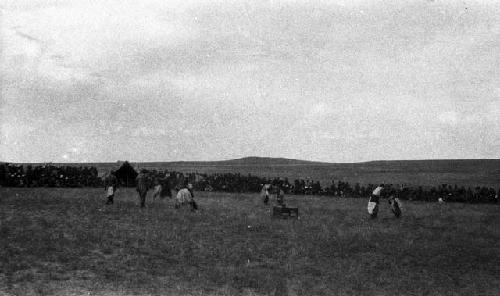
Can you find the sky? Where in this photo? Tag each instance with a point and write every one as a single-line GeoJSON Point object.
{"type": "Point", "coordinates": [334, 81]}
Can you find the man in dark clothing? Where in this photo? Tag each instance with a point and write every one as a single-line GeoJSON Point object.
{"type": "Point", "coordinates": [280, 196]}
{"type": "Point", "coordinates": [165, 187]}
{"type": "Point", "coordinates": [395, 206]}
{"type": "Point", "coordinates": [142, 187]}
{"type": "Point", "coordinates": [192, 202]}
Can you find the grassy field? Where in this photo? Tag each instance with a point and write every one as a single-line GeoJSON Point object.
{"type": "Point", "coordinates": [66, 242]}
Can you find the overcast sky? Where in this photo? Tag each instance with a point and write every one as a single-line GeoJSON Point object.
{"type": "Point", "coordinates": [337, 81]}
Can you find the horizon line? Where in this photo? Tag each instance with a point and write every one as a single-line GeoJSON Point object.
{"type": "Point", "coordinates": [256, 157]}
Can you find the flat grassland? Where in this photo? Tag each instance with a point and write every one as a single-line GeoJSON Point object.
{"type": "Point", "coordinates": [66, 242]}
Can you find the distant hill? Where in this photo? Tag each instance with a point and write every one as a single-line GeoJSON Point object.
{"type": "Point", "coordinates": [253, 160]}
{"type": "Point", "coordinates": [466, 172]}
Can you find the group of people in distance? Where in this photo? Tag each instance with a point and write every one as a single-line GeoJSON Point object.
{"type": "Point", "coordinates": [184, 197]}
{"type": "Point", "coordinates": [373, 203]}
{"type": "Point", "coordinates": [52, 175]}
{"type": "Point", "coordinates": [266, 192]}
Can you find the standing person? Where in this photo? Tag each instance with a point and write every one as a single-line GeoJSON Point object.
{"type": "Point", "coordinates": [165, 187]}
{"type": "Point", "coordinates": [374, 200]}
{"type": "Point", "coordinates": [186, 196]}
{"type": "Point", "coordinates": [192, 202]}
{"type": "Point", "coordinates": [395, 206]}
{"type": "Point", "coordinates": [183, 196]}
{"type": "Point", "coordinates": [280, 196]}
{"type": "Point", "coordinates": [157, 189]}
{"type": "Point", "coordinates": [142, 187]}
{"type": "Point", "coordinates": [110, 186]}
{"type": "Point", "coordinates": [264, 193]}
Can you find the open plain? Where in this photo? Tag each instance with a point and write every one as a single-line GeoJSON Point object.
{"type": "Point", "coordinates": [67, 242]}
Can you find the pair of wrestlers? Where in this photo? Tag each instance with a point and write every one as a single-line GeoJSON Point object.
{"type": "Point", "coordinates": [375, 199]}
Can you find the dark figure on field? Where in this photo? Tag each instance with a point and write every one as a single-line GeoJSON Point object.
{"type": "Point", "coordinates": [280, 196]}
{"type": "Point", "coordinates": [110, 186]}
{"type": "Point", "coordinates": [156, 189]}
{"type": "Point", "coordinates": [165, 188]}
{"type": "Point", "coordinates": [142, 187]}
{"type": "Point", "coordinates": [395, 206]}
{"type": "Point", "coordinates": [374, 201]}
{"type": "Point", "coordinates": [192, 202]}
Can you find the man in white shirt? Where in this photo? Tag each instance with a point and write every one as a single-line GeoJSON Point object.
{"type": "Point", "coordinates": [264, 193]}
{"type": "Point", "coordinates": [157, 189]}
{"type": "Point", "coordinates": [186, 196]}
{"type": "Point", "coordinates": [374, 200]}
{"type": "Point", "coordinates": [110, 186]}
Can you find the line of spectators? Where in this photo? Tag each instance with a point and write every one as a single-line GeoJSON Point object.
{"type": "Point", "coordinates": [15, 175]}
{"type": "Point", "coordinates": [12, 175]}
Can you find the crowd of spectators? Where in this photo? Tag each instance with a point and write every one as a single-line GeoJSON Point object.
{"type": "Point", "coordinates": [47, 175]}
{"type": "Point", "coordinates": [13, 175]}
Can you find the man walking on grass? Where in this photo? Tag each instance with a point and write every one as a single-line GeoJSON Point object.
{"type": "Point", "coordinates": [264, 193]}
{"type": "Point", "coordinates": [110, 186]}
{"type": "Point", "coordinates": [142, 187]}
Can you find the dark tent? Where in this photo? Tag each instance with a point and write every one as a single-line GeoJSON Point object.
{"type": "Point", "coordinates": [126, 174]}
{"type": "Point", "coordinates": [3, 174]}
